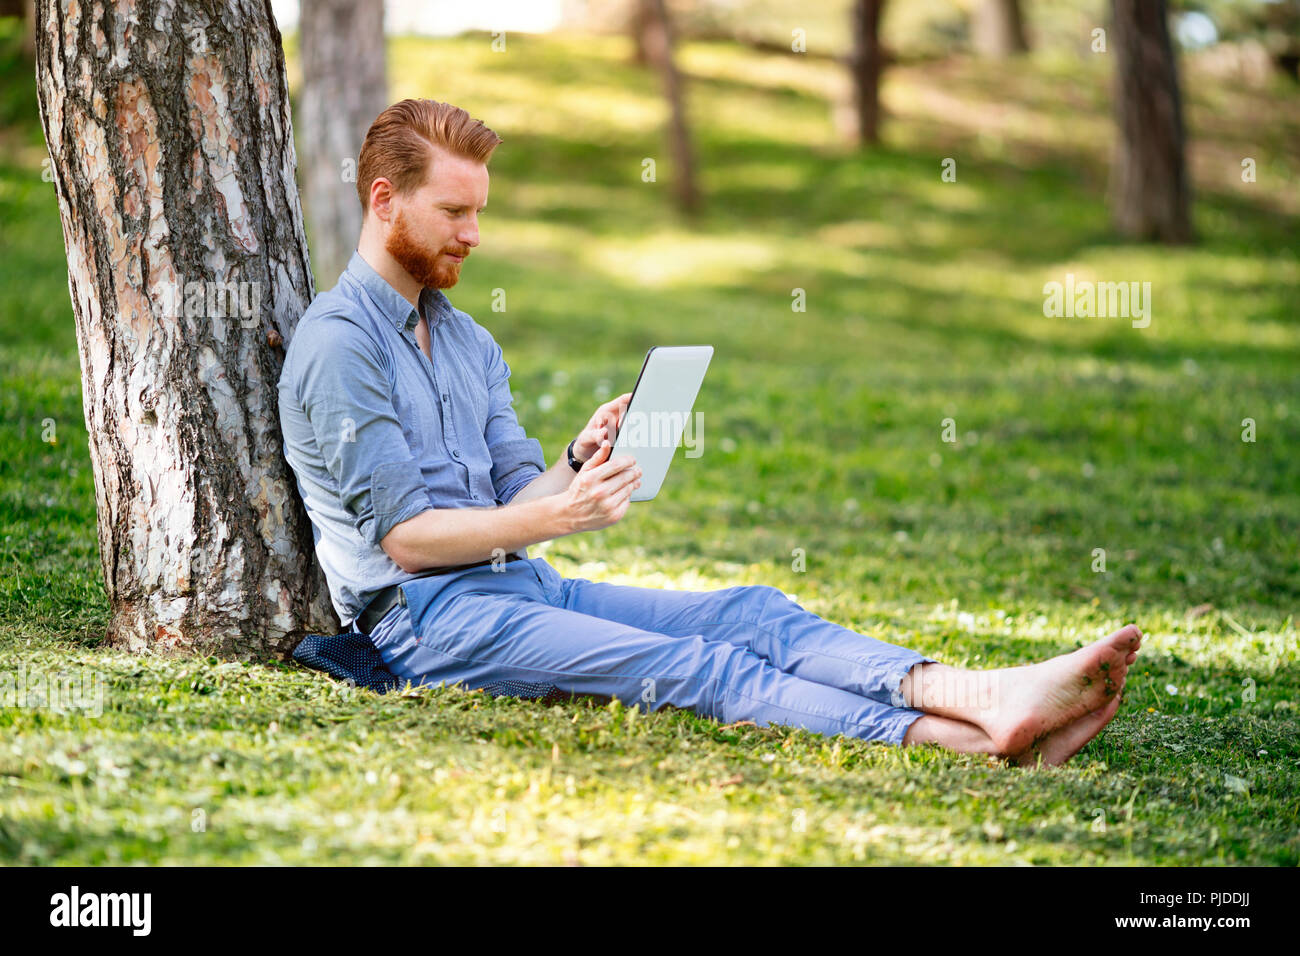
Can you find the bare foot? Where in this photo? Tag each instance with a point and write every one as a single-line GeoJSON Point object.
{"type": "Point", "coordinates": [1064, 742]}
{"type": "Point", "coordinates": [955, 735]}
{"type": "Point", "coordinates": [1034, 700]}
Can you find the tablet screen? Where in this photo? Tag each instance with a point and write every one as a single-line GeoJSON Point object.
{"type": "Point", "coordinates": [663, 400]}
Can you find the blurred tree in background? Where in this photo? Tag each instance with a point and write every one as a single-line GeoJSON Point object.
{"type": "Point", "coordinates": [344, 88]}
{"type": "Point", "coordinates": [653, 40]}
{"type": "Point", "coordinates": [25, 10]}
{"type": "Point", "coordinates": [999, 28]}
{"type": "Point", "coordinates": [1150, 191]}
{"type": "Point", "coordinates": [866, 67]}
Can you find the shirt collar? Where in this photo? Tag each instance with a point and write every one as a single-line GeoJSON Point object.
{"type": "Point", "coordinates": [392, 304]}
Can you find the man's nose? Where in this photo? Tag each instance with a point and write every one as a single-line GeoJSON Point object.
{"type": "Point", "coordinates": [469, 235]}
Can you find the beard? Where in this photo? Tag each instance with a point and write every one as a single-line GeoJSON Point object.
{"type": "Point", "coordinates": [426, 266]}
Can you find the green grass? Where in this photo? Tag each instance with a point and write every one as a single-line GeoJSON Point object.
{"type": "Point", "coordinates": [821, 432]}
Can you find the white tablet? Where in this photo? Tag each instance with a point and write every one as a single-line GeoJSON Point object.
{"type": "Point", "coordinates": [657, 414]}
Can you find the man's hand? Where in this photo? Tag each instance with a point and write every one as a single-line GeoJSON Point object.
{"type": "Point", "coordinates": [603, 426]}
{"type": "Point", "coordinates": [600, 493]}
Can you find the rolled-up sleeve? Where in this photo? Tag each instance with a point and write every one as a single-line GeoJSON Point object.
{"type": "Point", "coordinates": [346, 395]}
{"type": "Point", "coordinates": [516, 458]}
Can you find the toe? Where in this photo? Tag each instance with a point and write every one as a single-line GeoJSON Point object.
{"type": "Point", "coordinates": [1124, 641]}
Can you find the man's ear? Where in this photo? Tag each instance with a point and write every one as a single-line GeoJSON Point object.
{"type": "Point", "coordinates": [381, 199]}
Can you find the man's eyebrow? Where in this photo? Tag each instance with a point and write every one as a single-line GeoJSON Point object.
{"type": "Point", "coordinates": [453, 205]}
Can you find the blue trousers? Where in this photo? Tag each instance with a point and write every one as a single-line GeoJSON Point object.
{"type": "Point", "coordinates": [738, 653]}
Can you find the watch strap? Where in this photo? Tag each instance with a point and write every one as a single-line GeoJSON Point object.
{"type": "Point", "coordinates": [573, 462]}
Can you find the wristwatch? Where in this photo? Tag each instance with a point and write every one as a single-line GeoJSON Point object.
{"type": "Point", "coordinates": [573, 462]}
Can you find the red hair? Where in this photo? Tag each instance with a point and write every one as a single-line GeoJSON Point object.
{"type": "Point", "coordinates": [398, 145]}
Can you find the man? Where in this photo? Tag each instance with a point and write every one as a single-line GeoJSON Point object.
{"type": "Point", "coordinates": [424, 493]}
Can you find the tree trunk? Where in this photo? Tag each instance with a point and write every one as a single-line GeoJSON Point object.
{"type": "Point", "coordinates": [1150, 190]}
{"type": "Point", "coordinates": [865, 68]}
{"type": "Point", "coordinates": [173, 160]}
{"type": "Point", "coordinates": [657, 40]}
{"type": "Point", "coordinates": [998, 29]}
{"type": "Point", "coordinates": [637, 28]}
{"type": "Point", "coordinates": [344, 89]}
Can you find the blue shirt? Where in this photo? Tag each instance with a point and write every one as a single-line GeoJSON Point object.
{"type": "Point", "coordinates": [376, 433]}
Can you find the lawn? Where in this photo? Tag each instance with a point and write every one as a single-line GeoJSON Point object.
{"type": "Point", "coordinates": [823, 436]}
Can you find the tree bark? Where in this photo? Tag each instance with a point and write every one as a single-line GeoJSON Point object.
{"type": "Point", "coordinates": [864, 69]}
{"type": "Point", "coordinates": [344, 88]}
{"type": "Point", "coordinates": [1150, 189]}
{"type": "Point", "coordinates": [173, 159]}
{"type": "Point", "coordinates": [657, 41]}
{"type": "Point", "coordinates": [998, 29]}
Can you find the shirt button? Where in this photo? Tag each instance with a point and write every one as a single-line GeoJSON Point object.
{"type": "Point", "coordinates": [444, 398]}
{"type": "Point", "coordinates": [455, 453]}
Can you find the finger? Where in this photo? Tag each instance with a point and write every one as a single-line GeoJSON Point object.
{"type": "Point", "coordinates": [616, 501]}
{"type": "Point", "coordinates": [602, 452]}
{"type": "Point", "coordinates": [632, 476]}
{"type": "Point", "coordinates": [614, 465]}
{"type": "Point", "coordinates": [616, 490]}
{"type": "Point", "coordinates": [625, 498]}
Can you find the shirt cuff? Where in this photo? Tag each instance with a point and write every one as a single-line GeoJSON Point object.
{"type": "Point", "coordinates": [397, 494]}
{"type": "Point", "coordinates": [515, 463]}
{"type": "Point", "coordinates": [519, 479]}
